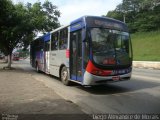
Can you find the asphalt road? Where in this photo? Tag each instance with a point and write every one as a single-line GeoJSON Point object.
{"type": "Point", "coordinates": [141, 94]}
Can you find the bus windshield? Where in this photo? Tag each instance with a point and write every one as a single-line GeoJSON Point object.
{"type": "Point", "coordinates": [111, 47]}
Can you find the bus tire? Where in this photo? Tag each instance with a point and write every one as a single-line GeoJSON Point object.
{"type": "Point", "coordinates": [64, 76]}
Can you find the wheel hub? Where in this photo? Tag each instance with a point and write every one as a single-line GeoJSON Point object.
{"type": "Point", "coordinates": [64, 75]}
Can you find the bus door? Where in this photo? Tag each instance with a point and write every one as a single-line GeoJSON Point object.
{"type": "Point", "coordinates": [76, 55]}
{"type": "Point", "coordinates": [46, 56]}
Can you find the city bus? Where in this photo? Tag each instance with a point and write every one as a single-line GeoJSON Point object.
{"type": "Point", "coordinates": [15, 56]}
{"type": "Point", "coordinates": [90, 50]}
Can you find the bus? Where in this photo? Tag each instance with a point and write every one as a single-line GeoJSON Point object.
{"type": "Point", "coordinates": [15, 56]}
{"type": "Point", "coordinates": [90, 50]}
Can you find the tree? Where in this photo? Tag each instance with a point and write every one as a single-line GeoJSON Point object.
{"type": "Point", "coordinates": [140, 15]}
{"type": "Point", "coordinates": [20, 23]}
{"type": "Point", "coordinates": [115, 14]}
{"type": "Point", "coordinates": [7, 22]}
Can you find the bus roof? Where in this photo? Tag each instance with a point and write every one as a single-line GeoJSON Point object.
{"type": "Point", "coordinates": [94, 17]}
{"type": "Point", "coordinates": [59, 28]}
{"type": "Point", "coordinates": [101, 21]}
{"type": "Point", "coordinates": [84, 18]}
{"type": "Point", "coordinates": [112, 23]}
{"type": "Point", "coordinates": [45, 37]}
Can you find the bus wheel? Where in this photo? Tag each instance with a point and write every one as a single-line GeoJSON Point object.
{"type": "Point", "coordinates": [64, 76]}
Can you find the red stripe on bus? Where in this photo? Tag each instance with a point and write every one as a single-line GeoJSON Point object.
{"type": "Point", "coordinates": [67, 53]}
{"type": "Point", "coordinates": [91, 68]}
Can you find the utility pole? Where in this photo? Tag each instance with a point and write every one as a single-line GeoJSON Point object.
{"type": "Point", "coordinates": [124, 18]}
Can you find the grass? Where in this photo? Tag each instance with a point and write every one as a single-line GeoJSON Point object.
{"type": "Point", "coordinates": [146, 46]}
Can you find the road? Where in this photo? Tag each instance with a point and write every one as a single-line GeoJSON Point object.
{"type": "Point", "coordinates": [141, 94]}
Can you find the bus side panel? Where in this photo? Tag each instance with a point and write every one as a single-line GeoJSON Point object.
{"type": "Point", "coordinates": [46, 62]}
{"type": "Point", "coordinates": [57, 58]}
{"type": "Point", "coordinates": [53, 63]}
{"type": "Point", "coordinates": [62, 59]}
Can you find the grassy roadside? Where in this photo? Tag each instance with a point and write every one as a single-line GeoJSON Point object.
{"type": "Point", "coordinates": [146, 46]}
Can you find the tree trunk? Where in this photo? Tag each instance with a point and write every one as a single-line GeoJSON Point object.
{"type": "Point", "coordinates": [9, 60]}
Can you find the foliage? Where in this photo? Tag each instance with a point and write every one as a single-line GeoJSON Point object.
{"type": "Point", "coordinates": [140, 15]}
{"type": "Point", "coordinates": [19, 23]}
{"type": "Point", "coordinates": [146, 46]}
{"type": "Point", "coordinates": [6, 24]}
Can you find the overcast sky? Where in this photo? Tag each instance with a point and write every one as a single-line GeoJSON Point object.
{"type": "Point", "coordinates": [72, 9]}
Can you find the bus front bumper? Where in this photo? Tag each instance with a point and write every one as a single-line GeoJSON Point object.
{"type": "Point", "coordinates": [90, 79]}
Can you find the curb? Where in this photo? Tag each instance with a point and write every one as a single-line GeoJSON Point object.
{"type": "Point", "coordinates": [146, 64]}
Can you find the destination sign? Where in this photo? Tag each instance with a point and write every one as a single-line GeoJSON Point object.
{"type": "Point", "coordinates": [106, 23]}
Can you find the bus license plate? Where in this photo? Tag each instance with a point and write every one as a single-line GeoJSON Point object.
{"type": "Point", "coordinates": [116, 78]}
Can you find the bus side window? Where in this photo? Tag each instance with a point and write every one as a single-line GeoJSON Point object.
{"type": "Point", "coordinates": [63, 39]}
{"type": "Point", "coordinates": [54, 41]}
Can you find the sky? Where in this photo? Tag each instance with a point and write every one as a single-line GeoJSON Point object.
{"type": "Point", "coordinates": [73, 9]}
